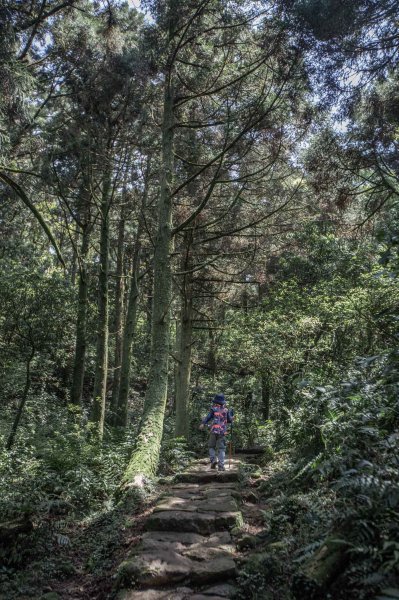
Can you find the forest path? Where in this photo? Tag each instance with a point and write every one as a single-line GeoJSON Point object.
{"type": "Point", "coordinates": [187, 550]}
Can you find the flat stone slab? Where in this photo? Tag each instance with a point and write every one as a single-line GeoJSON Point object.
{"type": "Point", "coordinates": [203, 597]}
{"type": "Point", "coordinates": [201, 488]}
{"type": "Point", "coordinates": [160, 567]}
{"type": "Point", "coordinates": [195, 522]}
{"type": "Point", "coordinates": [182, 593]}
{"type": "Point", "coordinates": [218, 492]}
{"type": "Point", "coordinates": [218, 538]}
{"type": "Point", "coordinates": [177, 536]}
{"type": "Point", "coordinates": [176, 594]}
{"type": "Point", "coordinates": [212, 504]}
{"type": "Point", "coordinates": [187, 542]}
{"type": "Point", "coordinates": [187, 487]}
{"type": "Point", "coordinates": [178, 520]}
{"type": "Point", "coordinates": [213, 570]}
{"type": "Point", "coordinates": [225, 590]}
{"type": "Point", "coordinates": [187, 539]}
{"type": "Point", "coordinates": [224, 504]}
{"type": "Point", "coordinates": [149, 545]}
{"type": "Point", "coordinates": [174, 503]}
{"type": "Point", "coordinates": [203, 553]}
{"type": "Point", "coordinates": [194, 495]}
{"type": "Point", "coordinates": [207, 476]}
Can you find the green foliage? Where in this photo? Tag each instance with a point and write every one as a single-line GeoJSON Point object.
{"type": "Point", "coordinates": [58, 469]}
{"type": "Point", "coordinates": [345, 439]}
{"type": "Point", "coordinates": [261, 576]}
{"type": "Point", "coordinates": [176, 455]}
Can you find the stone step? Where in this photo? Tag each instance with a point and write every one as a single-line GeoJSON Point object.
{"type": "Point", "coordinates": [216, 592]}
{"type": "Point", "coordinates": [187, 546]}
{"type": "Point", "coordinates": [187, 539]}
{"type": "Point", "coordinates": [203, 523]}
{"type": "Point", "coordinates": [181, 593]}
{"type": "Point", "coordinates": [198, 504]}
{"type": "Point", "coordinates": [200, 476]}
{"type": "Point", "coordinates": [165, 567]}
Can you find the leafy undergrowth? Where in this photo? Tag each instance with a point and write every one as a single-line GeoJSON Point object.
{"type": "Point", "coordinates": [79, 560]}
{"type": "Point", "coordinates": [337, 488]}
{"type": "Point", "coordinates": [63, 499]}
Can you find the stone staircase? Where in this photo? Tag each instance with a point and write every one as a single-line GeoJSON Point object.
{"type": "Point", "coordinates": [187, 550]}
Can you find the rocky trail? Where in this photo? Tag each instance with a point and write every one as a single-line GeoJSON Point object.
{"type": "Point", "coordinates": [187, 551]}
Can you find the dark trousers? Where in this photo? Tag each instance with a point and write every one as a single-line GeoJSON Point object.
{"type": "Point", "coordinates": [217, 444]}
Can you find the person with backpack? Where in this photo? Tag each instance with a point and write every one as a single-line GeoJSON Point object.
{"type": "Point", "coordinates": [221, 416]}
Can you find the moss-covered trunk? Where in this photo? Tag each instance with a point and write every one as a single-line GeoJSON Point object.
{"type": "Point", "coordinates": [81, 320]}
{"type": "Point", "coordinates": [101, 369]}
{"type": "Point", "coordinates": [321, 569]}
{"type": "Point", "coordinates": [185, 339]}
{"type": "Point", "coordinates": [183, 376]}
{"type": "Point", "coordinates": [121, 406]}
{"type": "Point", "coordinates": [265, 397]}
{"type": "Point", "coordinates": [145, 457]}
{"type": "Point", "coordinates": [118, 311]}
{"type": "Point", "coordinates": [23, 400]}
{"type": "Point", "coordinates": [120, 417]}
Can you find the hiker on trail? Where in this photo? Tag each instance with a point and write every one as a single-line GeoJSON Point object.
{"type": "Point", "coordinates": [220, 416]}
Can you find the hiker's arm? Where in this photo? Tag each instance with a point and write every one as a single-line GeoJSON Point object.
{"type": "Point", "coordinates": [205, 420]}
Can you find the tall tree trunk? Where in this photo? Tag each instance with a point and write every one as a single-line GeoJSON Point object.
{"type": "Point", "coordinates": [22, 403]}
{"type": "Point", "coordinates": [185, 340]}
{"type": "Point", "coordinates": [100, 379]}
{"type": "Point", "coordinates": [121, 406]}
{"type": "Point", "coordinates": [81, 322]}
{"type": "Point", "coordinates": [183, 377]}
{"type": "Point", "coordinates": [185, 327]}
{"type": "Point", "coordinates": [212, 352]}
{"type": "Point", "coordinates": [145, 457]}
{"type": "Point", "coordinates": [118, 315]}
{"type": "Point", "coordinates": [265, 397]}
{"type": "Point", "coordinates": [75, 258]}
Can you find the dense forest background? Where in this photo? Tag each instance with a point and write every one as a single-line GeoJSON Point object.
{"type": "Point", "coordinates": [199, 197]}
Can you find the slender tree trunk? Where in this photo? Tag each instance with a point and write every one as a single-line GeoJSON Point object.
{"type": "Point", "coordinates": [118, 316]}
{"type": "Point", "coordinates": [212, 352]}
{"type": "Point", "coordinates": [176, 356]}
{"type": "Point", "coordinates": [81, 323]}
{"type": "Point", "coordinates": [75, 258]}
{"type": "Point", "coordinates": [148, 307]}
{"type": "Point", "coordinates": [185, 340]}
{"type": "Point", "coordinates": [121, 407]}
{"type": "Point", "coordinates": [100, 379]}
{"type": "Point", "coordinates": [145, 457]}
{"type": "Point", "coordinates": [184, 367]}
{"type": "Point", "coordinates": [265, 397]}
{"type": "Point", "coordinates": [22, 403]}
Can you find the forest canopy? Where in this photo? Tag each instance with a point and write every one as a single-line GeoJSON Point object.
{"type": "Point", "coordinates": [200, 197]}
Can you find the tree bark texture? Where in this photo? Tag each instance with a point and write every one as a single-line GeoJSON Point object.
{"type": "Point", "coordinates": [212, 352]}
{"type": "Point", "coordinates": [265, 397]}
{"type": "Point", "coordinates": [145, 457]}
{"type": "Point", "coordinates": [22, 403]}
{"type": "Point", "coordinates": [321, 569]}
{"type": "Point", "coordinates": [118, 314]}
{"type": "Point", "coordinates": [81, 323]}
{"type": "Point", "coordinates": [121, 407]}
{"type": "Point", "coordinates": [185, 341]}
{"type": "Point", "coordinates": [100, 379]}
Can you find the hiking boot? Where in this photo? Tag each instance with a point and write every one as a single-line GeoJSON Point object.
{"type": "Point", "coordinates": [213, 464]}
{"type": "Point", "coordinates": [221, 468]}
